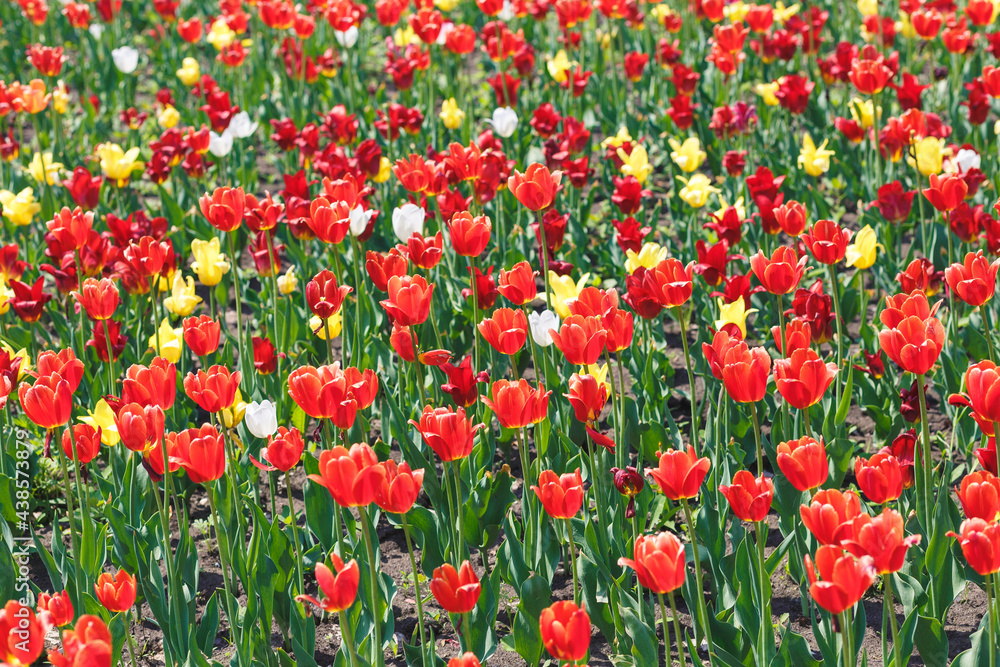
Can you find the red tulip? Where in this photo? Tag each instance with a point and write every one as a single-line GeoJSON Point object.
{"type": "Point", "coordinates": [62, 363]}
{"type": "Point", "coordinates": [324, 296]}
{"type": "Point", "coordinates": [85, 440]}
{"type": "Point", "coordinates": [283, 450]}
{"type": "Point", "coordinates": [781, 273]}
{"type": "Point", "coordinates": [671, 282]}
{"type": "Point", "coordinates": [880, 478]}
{"type": "Point", "coordinates": [588, 396]}
{"type": "Point", "coordinates": [881, 538]}
{"type": "Point", "coordinates": [462, 382]}
{"type": "Point", "coordinates": [201, 334]}
{"type": "Point", "coordinates": [518, 284]}
{"type": "Point", "coordinates": [980, 542]}
{"type": "Point", "coordinates": [56, 609]}
{"type": "Point", "coordinates": [946, 192]}
{"type": "Point", "coordinates": [565, 631]}
{"type": "Point", "coordinates": [749, 497]}
{"type": "Point", "coordinates": [830, 514]}
{"type": "Point", "coordinates": [560, 495]}
{"type": "Point", "coordinates": [224, 208]}
{"type": "Point", "coordinates": [448, 432]}
{"type": "Point", "coordinates": [116, 592]}
{"type": "Point", "coordinates": [580, 339]}
{"type": "Point", "coordinates": [48, 402]}
{"type": "Point", "coordinates": [536, 188]}
{"type": "Point", "coordinates": [456, 591]}
{"type": "Point", "coordinates": [22, 636]}
{"type": "Point", "coordinates": [516, 404]}
{"type": "Point", "coordinates": [423, 251]}
{"type": "Point", "coordinates": [339, 585]}
{"type": "Point", "coordinates": [658, 561]}
{"type": "Point", "coordinates": [381, 268]}
{"type": "Point", "coordinates": [827, 241]}
{"type": "Point", "coordinates": [99, 298]}
{"type": "Point", "coordinates": [843, 579]}
{"type": "Point", "coordinates": [87, 644]}
{"type": "Point", "coordinates": [975, 280]}
{"type": "Point", "coordinates": [351, 476]}
{"type": "Point", "coordinates": [803, 462]}
{"type": "Point", "coordinates": [409, 300]}
{"type": "Point", "coordinates": [802, 378]}
{"type": "Point", "coordinates": [506, 330]}
{"type": "Point", "coordinates": [468, 659]}
{"type": "Point", "coordinates": [745, 372]}
{"type": "Point", "coordinates": [870, 75]}
{"type": "Point", "coordinates": [680, 473]}
{"type": "Point", "coordinates": [791, 217]}
{"type": "Point", "coordinates": [913, 337]}
{"type": "Point", "coordinates": [715, 352]}
{"type": "Point", "coordinates": [213, 391]}
{"type": "Point", "coordinates": [139, 427]}
{"type": "Point", "coordinates": [323, 393]}
{"type": "Point", "coordinates": [980, 496]}
{"type": "Point", "coordinates": [200, 451]}
{"type": "Point", "coordinates": [399, 488]}
{"type": "Point", "coordinates": [469, 236]}
{"type": "Point", "coordinates": [155, 384]}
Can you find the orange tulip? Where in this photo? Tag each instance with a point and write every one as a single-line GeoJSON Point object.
{"type": "Point", "coordinates": [213, 391]}
{"type": "Point", "coordinates": [749, 497]}
{"type": "Point", "coordinates": [351, 476]}
{"type": "Point", "coordinates": [980, 542]}
{"type": "Point", "coordinates": [881, 538]}
{"type": "Point", "coordinates": [399, 488]}
{"type": "Point", "coordinates": [448, 432]}
{"type": "Point", "coordinates": [843, 579]}
{"type": "Point", "coordinates": [803, 462]}
{"type": "Point", "coordinates": [580, 339]}
{"type": "Point", "coordinates": [680, 473]}
{"type": "Point", "coordinates": [200, 451]}
{"type": "Point", "coordinates": [565, 631]}
{"type": "Point", "coordinates": [880, 478]}
{"type": "Point", "coordinates": [506, 330]}
{"type": "Point", "coordinates": [456, 591]}
{"type": "Point", "coordinates": [830, 514]}
{"type": "Point", "coordinates": [802, 378]}
{"type": "Point", "coordinates": [536, 188]}
{"type": "Point", "coordinates": [980, 496]}
{"type": "Point", "coordinates": [518, 284]}
{"type": "Point", "coordinates": [561, 495]}
{"type": "Point", "coordinates": [339, 585]}
{"type": "Point", "coordinates": [516, 404]}
{"type": "Point", "coordinates": [224, 208]}
{"type": "Point", "coordinates": [658, 561]}
{"type": "Point", "coordinates": [116, 592]}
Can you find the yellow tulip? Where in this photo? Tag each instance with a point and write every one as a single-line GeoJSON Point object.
{"type": "Point", "coordinates": [182, 299]}
{"type": "Point", "coordinates": [118, 164]}
{"type": "Point", "coordinates": [559, 65]}
{"type": "Point", "coordinates": [649, 255]}
{"type": "Point", "coordinates": [190, 72]}
{"type": "Point", "coordinates": [335, 323]}
{"type": "Point", "coordinates": [167, 341]}
{"type": "Point", "coordinates": [233, 415]}
{"type": "Point", "coordinates": [815, 161]}
{"type": "Point", "coordinates": [220, 35]}
{"type": "Point", "coordinates": [103, 417]}
{"type": "Point", "coordinates": [696, 190]}
{"type": "Point", "coordinates": [737, 11]}
{"type": "Point", "coordinates": [5, 294]}
{"type": "Point", "coordinates": [782, 13]}
{"type": "Point", "coordinates": [288, 282]}
{"type": "Point", "coordinates": [863, 112]}
{"type": "Point", "coordinates": [209, 263]}
{"type": "Point", "coordinates": [451, 115]}
{"type": "Point", "coordinates": [405, 36]}
{"type": "Point", "coordinates": [168, 118]}
{"type": "Point", "coordinates": [688, 156]}
{"type": "Point", "coordinates": [43, 168]}
{"type": "Point", "coordinates": [636, 164]}
{"type": "Point", "coordinates": [734, 313]}
{"type": "Point", "coordinates": [60, 98]}
{"type": "Point", "coordinates": [861, 254]}
{"type": "Point", "coordinates": [905, 28]}
{"type": "Point", "coordinates": [446, 5]}
{"type": "Point", "coordinates": [617, 140]}
{"type": "Point", "coordinates": [930, 152]}
{"type": "Point", "coordinates": [25, 367]}
{"type": "Point", "coordinates": [868, 7]}
{"type": "Point", "coordinates": [564, 288]}
{"type": "Point", "coordinates": [384, 170]}
{"type": "Point", "coordinates": [767, 91]}
{"type": "Point", "coordinates": [19, 208]}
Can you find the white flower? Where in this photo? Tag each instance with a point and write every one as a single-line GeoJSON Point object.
{"type": "Point", "coordinates": [219, 145]}
{"type": "Point", "coordinates": [406, 220]}
{"type": "Point", "coordinates": [967, 159]}
{"type": "Point", "coordinates": [261, 418]}
{"type": "Point", "coordinates": [359, 220]}
{"type": "Point", "coordinates": [507, 12]}
{"type": "Point", "coordinates": [347, 38]}
{"type": "Point", "coordinates": [126, 59]}
{"type": "Point", "coordinates": [96, 30]}
{"type": "Point", "coordinates": [446, 28]}
{"type": "Point", "coordinates": [540, 323]}
{"type": "Point", "coordinates": [241, 126]}
{"type": "Point", "coordinates": [504, 121]}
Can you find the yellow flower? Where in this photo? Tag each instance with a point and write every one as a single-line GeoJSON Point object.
{"type": "Point", "coordinates": [384, 170]}
{"type": "Point", "coordinates": [288, 282]}
{"type": "Point", "coordinates": [23, 354]}
{"type": "Point", "coordinates": [182, 299]}
{"type": "Point", "coordinates": [697, 190]}
{"type": "Point", "coordinates": [233, 415]}
{"type": "Point", "coordinates": [220, 35]}
{"type": "Point", "coordinates": [446, 5]}
{"type": "Point", "coordinates": [868, 7]}
{"type": "Point", "coordinates": [405, 36]}
{"type": "Point", "coordinates": [767, 91]}
{"type": "Point", "coordinates": [660, 12]}
{"type": "Point", "coordinates": [618, 140]}
{"type": "Point", "coordinates": [649, 255]}
{"type": "Point", "coordinates": [19, 208]}
{"type": "Point", "coordinates": [43, 168]}
{"type": "Point", "coordinates": [451, 115]}
{"type": "Point", "coordinates": [335, 323]}
{"type": "Point", "coordinates": [930, 153]}
{"type": "Point", "coordinates": [739, 205]}
{"type": "Point", "coordinates": [737, 11]}
{"type": "Point", "coordinates": [734, 313]}
{"type": "Point", "coordinates": [168, 117]}
{"type": "Point", "coordinates": [564, 288]}
{"type": "Point", "coordinates": [598, 372]}
{"type": "Point", "coordinates": [815, 161]}
{"type": "Point", "coordinates": [209, 263]}
{"type": "Point", "coordinates": [117, 164]}
{"type": "Point", "coordinates": [636, 164]}
{"type": "Point", "coordinates": [861, 253]}
{"type": "Point", "coordinates": [905, 28]}
{"type": "Point", "coordinates": [60, 97]}
{"type": "Point", "coordinates": [559, 65]}
{"type": "Point", "coordinates": [863, 112]}
{"type": "Point", "coordinates": [190, 72]}
{"type": "Point", "coordinates": [688, 156]}
{"type": "Point", "coordinates": [167, 341]}
{"type": "Point", "coordinates": [5, 294]}
{"type": "Point", "coordinates": [103, 417]}
{"type": "Point", "coordinates": [782, 13]}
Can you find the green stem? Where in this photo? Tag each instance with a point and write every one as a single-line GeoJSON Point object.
{"type": "Point", "coordinates": [295, 532]}
{"type": "Point", "coordinates": [835, 291]}
{"type": "Point", "coordinates": [373, 571]}
{"type": "Point", "coordinates": [677, 629]}
{"type": "Point", "coordinates": [345, 629]}
{"type": "Point", "coordinates": [223, 557]}
{"type": "Point", "coordinates": [416, 587]}
{"type": "Point", "coordinates": [128, 635]}
{"type": "Point", "coordinates": [74, 538]}
{"type": "Point", "coordinates": [924, 497]}
{"type": "Point", "coordinates": [701, 602]}
{"type": "Point", "coordinates": [236, 295]}
{"type": "Point", "coordinates": [687, 362]}
{"type": "Point", "coordinates": [992, 622]}
{"type": "Point", "coordinates": [765, 613]}
{"type": "Point", "coordinates": [890, 605]}
{"type": "Point", "coordinates": [756, 435]}
{"type": "Point", "coordinates": [572, 563]}
{"type": "Point", "coordinates": [526, 507]}
{"type": "Point", "coordinates": [456, 474]}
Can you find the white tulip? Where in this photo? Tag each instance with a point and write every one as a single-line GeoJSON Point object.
{"type": "Point", "coordinates": [540, 323]}
{"type": "Point", "coordinates": [359, 220]}
{"type": "Point", "coordinates": [446, 28]}
{"type": "Point", "coordinates": [261, 418]}
{"type": "Point", "coordinates": [241, 126]}
{"type": "Point", "coordinates": [219, 145]}
{"type": "Point", "coordinates": [504, 121]}
{"type": "Point", "coordinates": [126, 59]}
{"type": "Point", "coordinates": [507, 12]}
{"type": "Point", "coordinates": [346, 38]}
{"type": "Point", "coordinates": [967, 159]}
{"type": "Point", "coordinates": [96, 30]}
{"type": "Point", "coordinates": [406, 220]}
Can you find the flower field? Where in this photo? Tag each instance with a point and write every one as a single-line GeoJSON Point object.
{"type": "Point", "coordinates": [499, 332]}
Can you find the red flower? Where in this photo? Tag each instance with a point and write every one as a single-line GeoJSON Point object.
{"type": "Point", "coordinates": [62, 363]}
{"type": "Point", "coordinates": [469, 236]}
{"type": "Point", "coordinates": [323, 393]}
{"type": "Point", "coordinates": [802, 378]}
{"type": "Point", "coordinates": [973, 281]}
{"type": "Point", "coordinates": [830, 514]}
{"type": "Point", "coordinates": [745, 372]}
{"type": "Point", "coordinates": [671, 282]}
{"type": "Point", "coordinates": [48, 402]}
{"type": "Point", "coordinates": [28, 302]}
{"type": "Point", "coordinates": [84, 188]}
{"type": "Point", "coordinates": [89, 643]}
{"type": "Point", "coordinates": [99, 298]}
{"type": "Point", "coordinates": [565, 631]}
{"type": "Point", "coordinates": [749, 497]}
{"type": "Point", "coordinates": [870, 76]}
{"type": "Point", "coordinates": [658, 561]}
{"type": "Point", "coordinates": [400, 487]}
{"type": "Point", "coordinates": [580, 339]}
{"type": "Point", "coordinates": [946, 192]}
{"type": "Point", "coordinates": [85, 440]}
{"type": "Point", "coordinates": [913, 337]}
{"type": "Point", "coordinates": [880, 478]}
{"type": "Point", "coordinates": [893, 202]}
{"type": "Point", "coordinates": [516, 404]}
{"type": "Point", "coordinates": [265, 359]}
{"type": "Point", "coordinates": [560, 495]}
{"type": "Point", "coordinates": [843, 579]}
{"type": "Point", "coordinates": [339, 585]}
{"type": "Point", "coordinates": [920, 274]}
{"type": "Point", "coordinates": [468, 659]}
{"type": "Point", "coordinates": [448, 432]}
{"type": "Point", "coordinates": [781, 273]}
{"type": "Point", "coordinates": [980, 496]}
{"type": "Point", "coordinates": [201, 334]}
{"type": "Point", "coordinates": [116, 593]}
{"type": "Point", "coordinates": [882, 539]}
{"type": "Point", "coordinates": [803, 462]}
{"type": "Point", "coordinates": [140, 427]}
{"type": "Point", "coordinates": [200, 451]}
{"type": "Point", "coordinates": [536, 188]}
{"type": "Point", "coordinates": [283, 450]}
{"type": "Point", "coordinates": [506, 330]}
{"type": "Point", "coordinates": [56, 609]}
{"type": "Point", "coordinates": [71, 229]}
{"type": "Point", "coordinates": [588, 396]}
{"type": "Point", "coordinates": [456, 591]}
{"type": "Point", "coordinates": [791, 217]}
{"type": "Point", "coordinates": [461, 385]}
{"type": "Point", "coordinates": [423, 251]}
{"type": "Point", "coordinates": [381, 267]}
{"type": "Point", "coordinates": [980, 543]}
{"type": "Point", "coordinates": [22, 637]}
{"type": "Point", "coordinates": [213, 391]}
{"type": "Point", "coordinates": [409, 299]}
{"type": "Point", "coordinates": [330, 221]}
{"type": "Point", "coordinates": [679, 473]}
{"type": "Point", "coordinates": [324, 296]}
{"type": "Point", "coordinates": [224, 208]}
{"type": "Point", "coordinates": [352, 476]}
{"type": "Point", "coordinates": [518, 284]}
{"type": "Point", "coordinates": [827, 241]}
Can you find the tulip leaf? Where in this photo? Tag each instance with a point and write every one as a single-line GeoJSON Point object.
{"type": "Point", "coordinates": [794, 652]}
{"type": "Point", "coordinates": [931, 641]}
{"type": "Point", "coordinates": [208, 626]}
{"type": "Point", "coordinates": [644, 643]}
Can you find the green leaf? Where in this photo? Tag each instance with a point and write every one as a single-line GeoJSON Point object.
{"type": "Point", "coordinates": [535, 596]}
{"type": "Point", "coordinates": [931, 641]}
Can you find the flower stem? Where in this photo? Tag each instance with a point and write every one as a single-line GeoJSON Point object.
{"type": "Point", "coordinates": [572, 563]}
{"type": "Point", "coordinates": [128, 634]}
{"type": "Point", "coordinates": [416, 587]}
{"type": "Point", "coordinates": [890, 606]}
{"type": "Point", "coordinates": [236, 295]}
{"type": "Point", "coordinates": [924, 497]}
{"type": "Point", "coordinates": [379, 660]}
{"type": "Point", "coordinates": [295, 533]}
{"type": "Point", "coordinates": [687, 362]}
{"type": "Point", "coordinates": [756, 435]}
{"type": "Point", "coordinates": [835, 292]}
{"type": "Point", "coordinates": [701, 602]}
{"type": "Point", "coordinates": [677, 630]}
{"type": "Point", "coordinates": [765, 612]}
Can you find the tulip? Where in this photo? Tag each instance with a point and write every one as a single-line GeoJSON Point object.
{"type": "Point", "coordinates": [516, 404]}
{"type": "Point", "coordinates": [261, 418]}
{"type": "Point", "coordinates": [980, 542]}
{"type": "Point", "coordinates": [880, 478]}
{"type": "Point", "coordinates": [506, 330]}
{"type": "Point", "coordinates": [580, 339]}
{"type": "Point", "coordinates": [648, 256]}
{"type": "Point", "coordinates": [465, 660]}
{"type": "Point", "coordinates": [448, 432]}
{"type": "Point", "coordinates": [84, 440]}
{"type": "Point", "coordinates": [830, 514]}
{"type": "Point", "coordinates": [408, 220]}
{"type": "Point", "coordinates": [565, 630]}
{"type": "Point", "coordinates": [587, 395]}
{"type": "Point", "coordinates": [323, 296]}
{"type": "Point", "coordinates": [679, 473]}
{"type": "Point", "coordinates": [781, 273]}
{"type": "Point", "coordinates": [469, 236]}
{"type": "Point", "coordinates": [560, 495]}
{"type": "Point", "coordinates": [201, 334]}
{"type": "Point", "coordinates": [946, 192]}
{"type": "Point", "coordinates": [22, 636]}
{"type": "Point", "coordinates": [882, 539]}
{"type": "Point", "coordinates": [542, 324]}
{"type": "Point", "coordinates": [749, 497]}
{"type": "Point", "coordinates": [518, 284]}
{"type": "Point", "coordinates": [814, 161]}
{"type": "Point", "coordinates": [979, 494]}
{"type": "Point", "coordinates": [456, 591]}
{"type": "Point", "coordinates": [339, 585]}
{"type": "Point", "coordinates": [200, 451]}
{"type": "Point", "coordinates": [451, 115]}
{"type": "Point", "coordinates": [399, 488]}
{"type": "Point", "coordinates": [688, 156]}
{"type": "Point", "coordinates": [56, 609]}
{"type": "Point", "coordinates": [504, 122]}
{"type": "Point", "coordinates": [745, 372]}
{"type": "Point", "coordinates": [803, 462]}
{"type": "Point", "coordinates": [352, 476]}
{"type": "Point", "coordinates": [48, 402]}
{"type": "Point", "coordinates": [213, 391]}
{"type": "Point", "coordinates": [139, 427]}
{"type": "Point", "coordinates": [658, 561]}
{"type": "Point", "coordinates": [802, 378]}
{"type": "Point", "coordinates": [409, 301]}
{"type": "Point", "coordinates": [913, 338]}
{"type": "Point", "coordinates": [283, 450]}
{"type": "Point", "coordinates": [536, 188]}
{"type": "Point", "coordinates": [209, 263]}
{"type": "Point", "coordinates": [842, 581]}
{"type": "Point", "coordinates": [116, 592]}
{"type": "Point", "coordinates": [63, 363]}
{"type": "Point", "coordinates": [88, 643]}
{"type": "Point", "coordinates": [827, 241]}
{"type": "Point", "coordinates": [973, 281]}
{"type": "Point", "coordinates": [696, 190]}
{"type": "Point", "coordinates": [155, 384]}
{"type": "Point", "coordinates": [323, 393]}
